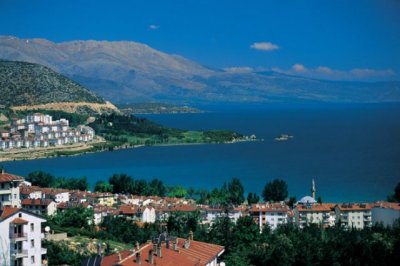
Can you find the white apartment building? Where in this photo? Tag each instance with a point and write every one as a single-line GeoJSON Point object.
{"type": "Point", "coordinates": [309, 211]}
{"type": "Point", "coordinates": [351, 215]}
{"type": "Point", "coordinates": [270, 214]}
{"type": "Point", "coordinates": [9, 189]}
{"type": "Point", "coordinates": [385, 213]}
{"type": "Point", "coordinates": [21, 238]}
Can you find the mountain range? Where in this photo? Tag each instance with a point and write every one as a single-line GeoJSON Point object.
{"type": "Point", "coordinates": [129, 72]}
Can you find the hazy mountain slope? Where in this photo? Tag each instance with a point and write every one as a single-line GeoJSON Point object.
{"type": "Point", "coordinates": [133, 72]}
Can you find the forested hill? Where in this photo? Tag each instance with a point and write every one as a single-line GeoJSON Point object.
{"type": "Point", "coordinates": [30, 84]}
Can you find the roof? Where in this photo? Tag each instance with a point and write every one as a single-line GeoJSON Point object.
{"type": "Point", "coordinates": [7, 212]}
{"type": "Point", "coordinates": [387, 205]}
{"type": "Point", "coordinates": [6, 177]}
{"type": "Point", "coordinates": [354, 207]}
{"type": "Point", "coordinates": [36, 202]}
{"type": "Point", "coordinates": [321, 207]}
{"type": "Point", "coordinates": [19, 221]}
{"type": "Point", "coordinates": [199, 253]}
{"type": "Point", "coordinates": [269, 207]}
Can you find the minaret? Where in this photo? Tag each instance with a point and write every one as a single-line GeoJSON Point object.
{"type": "Point", "coordinates": [313, 190]}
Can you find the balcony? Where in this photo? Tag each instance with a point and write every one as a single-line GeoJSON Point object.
{"type": "Point", "coordinates": [19, 253]}
{"type": "Point", "coordinates": [18, 236]}
{"type": "Point", "coordinates": [44, 251]}
{"type": "Point", "coordinates": [5, 191]}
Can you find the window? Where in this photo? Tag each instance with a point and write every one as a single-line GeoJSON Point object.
{"type": "Point", "coordinates": [19, 215]}
{"type": "Point", "coordinates": [15, 196]}
{"type": "Point", "coordinates": [2, 185]}
{"type": "Point", "coordinates": [32, 243]}
{"type": "Point", "coordinates": [32, 259]}
{"type": "Point", "coordinates": [32, 227]}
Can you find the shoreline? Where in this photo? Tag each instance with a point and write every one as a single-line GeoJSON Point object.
{"type": "Point", "coordinates": [40, 153]}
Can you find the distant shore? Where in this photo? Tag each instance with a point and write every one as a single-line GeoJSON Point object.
{"type": "Point", "coordinates": [25, 154]}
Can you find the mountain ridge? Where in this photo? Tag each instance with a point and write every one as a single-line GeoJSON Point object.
{"type": "Point", "coordinates": [125, 72]}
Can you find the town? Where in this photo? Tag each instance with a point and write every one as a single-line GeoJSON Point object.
{"type": "Point", "coordinates": [40, 130]}
{"type": "Point", "coordinates": [25, 208]}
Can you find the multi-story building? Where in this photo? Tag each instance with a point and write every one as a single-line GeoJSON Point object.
{"type": "Point", "coordinates": [269, 214]}
{"type": "Point", "coordinates": [352, 215]}
{"type": "Point", "coordinates": [21, 238]}
{"type": "Point", "coordinates": [9, 189]}
{"type": "Point", "coordinates": [385, 213]}
{"type": "Point", "coordinates": [317, 213]}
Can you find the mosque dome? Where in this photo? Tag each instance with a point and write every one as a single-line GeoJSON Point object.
{"type": "Point", "coordinates": [307, 200]}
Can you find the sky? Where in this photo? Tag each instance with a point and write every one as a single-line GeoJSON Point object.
{"type": "Point", "coordinates": [332, 39]}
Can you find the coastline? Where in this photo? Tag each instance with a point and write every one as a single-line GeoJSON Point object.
{"type": "Point", "coordinates": [88, 148]}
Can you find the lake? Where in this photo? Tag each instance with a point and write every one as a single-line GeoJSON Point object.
{"type": "Point", "coordinates": [352, 152]}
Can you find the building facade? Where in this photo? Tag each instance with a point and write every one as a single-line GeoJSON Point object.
{"type": "Point", "coordinates": [21, 238]}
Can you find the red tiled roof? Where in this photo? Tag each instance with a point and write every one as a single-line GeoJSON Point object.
{"type": "Point", "coordinates": [388, 205]}
{"type": "Point", "coordinates": [7, 212]}
{"type": "Point", "coordinates": [269, 207]}
{"type": "Point", "coordinates": [36, 202]}
{"type": "Point", "coordinates": [354, 207]}
{"type": "Point", "coordinates": [320, 207]}
{"type": "Point", "coordinates": [198, 253]}
{"type": "Point", "coordinates": [5, 177]}
{"type": "Point", "coordinates": [19, 221]}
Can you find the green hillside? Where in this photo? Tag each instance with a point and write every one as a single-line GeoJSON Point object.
{"type": "Point", "coordinates": [24, 83]}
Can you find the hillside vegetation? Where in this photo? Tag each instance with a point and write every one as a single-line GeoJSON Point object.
{"type": "Point", "coordinates": [28, 84]}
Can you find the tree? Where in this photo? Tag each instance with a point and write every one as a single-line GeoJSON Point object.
{"type": "Point", "coordinates": [41, 179]}
{"type": "Point", "coordinates": [235, 190]}
{"type": "Point", "coordinates": [103, 186]}
{"type": "Point", "coordinates": [177, 192]}
{"type": "Point", "coordinates": [277, 190]}
{"type": "Point", "coordinates": [122, 183]}
{"type": "Point", "coordinates": [252, 198]}
{"type": "Point", "coordinates": [396, 196]}
{"type": "Point", "coordinates": [156, 188]}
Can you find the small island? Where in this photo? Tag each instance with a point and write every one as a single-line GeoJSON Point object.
{"type": "Point", "coordinates": [283, 137]}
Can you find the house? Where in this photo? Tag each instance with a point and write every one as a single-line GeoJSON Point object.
{"type": "Point", "coordinates": [351, 215]}
{"type": "Point", "coordinates": [148, 215]}
{"type": "Point", "coordinates": [21, 238]}
{"type": "Point", "coordinates": [106, 199]}
{"type": "Point", "coordinates": [385, 213]}
{"type": "Point", "coordinates": [165, 251]}
{"type": "Point", "coordinates": [9, 189]}
{"type": "Point", "coordinates": [40, 206]}
{"type": "Point", "coordinates": [30, 192]}
{"type": "Point", "coordinates": [270, 214]}
{"type": "Point", "coordinates": [56, 194]}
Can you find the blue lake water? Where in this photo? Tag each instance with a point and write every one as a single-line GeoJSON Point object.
{"type": "Point", "coordinates": [352, 152]}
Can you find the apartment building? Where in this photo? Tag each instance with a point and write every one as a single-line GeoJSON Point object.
{"type": "Point", "coordinates": [21, 238]}
{"type": "Point", "coordinates": [9, 189]}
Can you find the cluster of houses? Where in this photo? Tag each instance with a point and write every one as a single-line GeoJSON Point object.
{"type": "Point", "coordinates": [23, 206]}
{"type": "Point", "coordinates": [39, 130]}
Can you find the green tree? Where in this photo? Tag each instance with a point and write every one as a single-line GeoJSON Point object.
{"type": "Point", "coordinates": [235, 190]}
{"type": "Point", "coordinates": [276, 190]}
{"type": "Point", "coordinates": [156, 188]}
{"type": "Point", "coordinates": [103, 186]}
{"type": "Point", "coordinates": [122, 183]}
{"type": "Point", "coordinates": [252, 198]}
{"type": "Point", "coordinates": [177, 192]}
{"type": "Point", "coordinates": [41, 179]}
{"type": "Point", "coordinates": [396, 196]}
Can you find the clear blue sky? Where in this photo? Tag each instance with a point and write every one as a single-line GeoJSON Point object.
{"type": "Point", "coordinates": [357, 39]}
